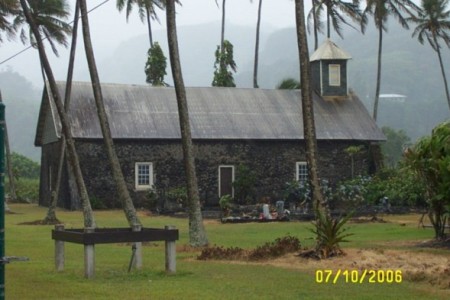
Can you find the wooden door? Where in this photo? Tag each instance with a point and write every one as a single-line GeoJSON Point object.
{"type": "Point", "coordinates": [226, 178]}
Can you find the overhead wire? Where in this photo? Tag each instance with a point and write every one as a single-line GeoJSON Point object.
{"type": "Point", "coordinates": [31, 46]}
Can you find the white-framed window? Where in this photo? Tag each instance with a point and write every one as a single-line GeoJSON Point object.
{"type": "Point", "coordinates": [334, 73]}
{"type": "Point", "coordinates": [143, 172]}
{"type": "Point", "coordinates": [301, 171]}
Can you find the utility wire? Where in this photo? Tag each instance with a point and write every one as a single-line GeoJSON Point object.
{"type": "Point", "coordinates": [44, 38]}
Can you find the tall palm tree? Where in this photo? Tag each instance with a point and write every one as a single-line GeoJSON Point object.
{"type": "Point", "coordinates": [197, 233]}
{"type": "Point", "coordinates": [255, 65]}
{"type": "Point", "coordinates": [433, 24]}
{"type": "Point", "coordinates": [8, 8]}
{"type": "Point", "coordinates": [51, 218]}
{"type": "Point", "coordinates": [89, 220]}
{"type": "Point", "coordinates": [307, 108]}
{"type": "Point", "coordinates": [49, 16]}
{"type": "Point", "coordinates": [335, 9]}
{"type": "Point", "coordinates": [123, 194]}
{"type": "Point", "coordinates": [146, 9]}
{"type": "Point", "coordinates": [381, 10]}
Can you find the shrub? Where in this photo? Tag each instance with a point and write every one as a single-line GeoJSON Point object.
{"type": "Point", "coordinates": [329, 233]}
{"type": "Point", "coordinates": [23, 167]}
{"type": "Point", "coordinates": [279, 247]}
{"type": "Point", "coordinates": [244, 186]}
{"type": "Point", "coordinates": [27, 190]}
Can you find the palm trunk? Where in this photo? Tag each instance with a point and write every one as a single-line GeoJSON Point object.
{"type": "Point", "coordinates": [222, 35]}
{"type": "Point", "coordinates": [307, 109]}
{"type": "Point", "coordinates": [442, 69]}
{"type": "Point", "coordinates": [328, 23]}
{"type": "Point", "coordinates": [316, 34]}
{"type": "Point", "coordinates": [51, 212]}
{"type": "Point", "coordinates": [12, 180]}
{"type": "Point", "coordinates": [255, 67]}
{"type": "Point", "coordinates": [377, 90]}
{"type": "Point", "coordinates": [197, 234]}
{"type": "Point", "coordinates": [89, 220]}
{"type": "Point", "coordinates": [123, 194]}
{"type": "Point", "coordinates": [149, 25]}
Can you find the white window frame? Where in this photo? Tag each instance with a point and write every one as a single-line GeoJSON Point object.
{"type": "Point", "coordinates": [334, 74]}
{"type": "Point", "coordinates": [232, 178]}
{"type": "Point", "coordinates": [297, 171]}
{"type": "Point", "coordinates": [136, 176]}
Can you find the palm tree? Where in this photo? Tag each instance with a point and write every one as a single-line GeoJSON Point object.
{"type": "Point", "coordinates": [146, 9]}
{"type": "Point", "coordinates": [49, 16]}
{"type": "Point", "coordinates": [314, 21]}
{"type": "Point", "coordinates": [255, 65]}
{"type": "Point", "coordinates": [89, 220]}
{"type": "Point", "coordinates": [8, 8]}
{"type": "Point", "coordinates": [381, 10]}
{"type": "Point", "coordinates": [197, 234]}
{"type": "Point", "coordinates": [307, 109]}
{"type": "Point", "coordinates": [123, 194]}
{"type": "Point", "coordinates": [334, 10]}
{"type": "Point", "coordinates": [433, 24]}
{"type": "Point", "coordinates": [51, 218]}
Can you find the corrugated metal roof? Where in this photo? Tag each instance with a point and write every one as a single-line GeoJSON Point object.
{"type": "Point", "coordinates": [145, 112]}
{"type": "Point", "coordinates": [329, 50]}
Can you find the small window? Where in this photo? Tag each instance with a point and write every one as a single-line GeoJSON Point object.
{"type": "Point", "coordinates": [143, 175]}
{"type": "Point", "coordinates": [301, 173]}
{"type": "Point", "coordinates": [334, 75]}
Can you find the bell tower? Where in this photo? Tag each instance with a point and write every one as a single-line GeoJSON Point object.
{"type": "Point", "coordinates": [329, 70]}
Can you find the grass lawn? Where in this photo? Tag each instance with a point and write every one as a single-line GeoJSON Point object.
{"type": "Point", "coordinates": [37, 278]}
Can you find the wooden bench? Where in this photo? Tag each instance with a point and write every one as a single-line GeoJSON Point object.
{"type": "Point", "coordinates": [91, 236]}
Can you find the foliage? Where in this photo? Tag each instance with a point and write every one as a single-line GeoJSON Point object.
{"type": "Point", "coordinates": [393, 147]}
{"type": "Point", "coordinates": [155, 67]}
{"type": "Point", "coordinates": [224, 66]}
{"type": "Point", "coordinates": [97, 203]}
{"type": "Point", "coordinates": [299, 192]}
{"type": "Point", "coordinates": [225, 204]}
{"type": "Point", "coordinates": [288, 84]}
{"type": "Point", "coordinates": [352, 151]}
{"type": "Point", "coordinates": [244, 185]}
{"type": "Point", "coordinates": [277, 248]}
{"type": "Point", "coordinates": [50, 17]}
{"type": "Point", "coordinates": [430, 159]}
{"type": "Point", "coordinates": [27, 190]}
{"type": "Point", "coordinates": [398, 185]}
{"type": "Point", "coordinates": [177, 195]}
{"type": "Point", "coordinates": [23, 167]}
{"type": "Point", "coordinates": [329, 233]}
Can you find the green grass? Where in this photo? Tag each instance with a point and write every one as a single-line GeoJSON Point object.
{"type": "Point", "coordinates": [37, 278]}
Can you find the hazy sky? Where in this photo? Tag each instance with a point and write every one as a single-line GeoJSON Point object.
{"type": "Point", "coordinates": [109, 28]}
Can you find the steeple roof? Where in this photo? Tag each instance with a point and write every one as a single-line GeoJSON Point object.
{"type": "Point", "coordinates": [329, 50]}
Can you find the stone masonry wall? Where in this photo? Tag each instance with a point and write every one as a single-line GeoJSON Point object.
{"type": "Point", "coordinates": [272, 161]}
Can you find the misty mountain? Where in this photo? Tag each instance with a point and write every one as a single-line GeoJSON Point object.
{"type": "Point", "coordinates": [22, 103]}
{"type": "Point", "coordinates": [408, 68]}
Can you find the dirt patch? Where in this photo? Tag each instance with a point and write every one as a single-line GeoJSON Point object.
{"type": "Point", "coordinates": [41, 222]}
{"type": "Point", "coordinates": [416, 267]}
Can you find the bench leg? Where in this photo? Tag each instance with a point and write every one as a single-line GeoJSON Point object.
{"type": "Point", "coordinates": [89, 258]}
{"type": "Point", "coordinates": [59, 250]}
{"type": "Point", "coordinates": [171, 254]}
{"type": "Point", "coordinates": [137, 262]}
